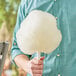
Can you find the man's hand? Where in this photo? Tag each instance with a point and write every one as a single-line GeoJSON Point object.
{"type": "Point", "coordinates": [35, 66]}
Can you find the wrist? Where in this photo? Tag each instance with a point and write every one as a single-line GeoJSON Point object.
{"type": "Point", "coordinates": [27, 66]}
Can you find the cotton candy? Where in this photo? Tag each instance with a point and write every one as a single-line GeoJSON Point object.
{"type": "Point", "coordinates": [38, 33]}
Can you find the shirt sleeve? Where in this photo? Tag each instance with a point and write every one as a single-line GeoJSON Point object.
{"type": "Point", "coordinates": [22, 13]}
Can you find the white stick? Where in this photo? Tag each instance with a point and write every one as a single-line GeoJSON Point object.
{"type": "Point", "coordinates": [38, 55]}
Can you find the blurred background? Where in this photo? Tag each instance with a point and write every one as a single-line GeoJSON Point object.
{"type": "Point", "coordinates": [8, 14]}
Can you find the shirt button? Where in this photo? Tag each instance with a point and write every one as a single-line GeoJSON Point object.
{"type": "Point", "coordinates": [58, 54]}
{"type": "Point", "coordinates": [55, 0]}
{"type": "Point", "coordinates": [14, 43]}
{"type": "Point", "coordinates": [58, 74]}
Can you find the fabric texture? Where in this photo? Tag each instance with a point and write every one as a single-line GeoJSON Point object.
{"type": "Point", "coordinates": [62, 61]}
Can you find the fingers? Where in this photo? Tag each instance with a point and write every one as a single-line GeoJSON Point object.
{"type": "Point", "coordinates": [37, 71]}
{"type": "Point", "coordinates": [37, 75]}
{"type": "Point", "coordinates": [36, 67]}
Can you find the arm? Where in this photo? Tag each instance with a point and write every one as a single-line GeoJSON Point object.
{"type": "Point", "coordinates": [21, 61]}
{"type": "Point", "coordinates": [34, 66]}
{"type": "Point", "coordinates": [15, 51]}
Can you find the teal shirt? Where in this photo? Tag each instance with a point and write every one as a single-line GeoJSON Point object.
{"type": "Point", "coordinates": [62, 61]}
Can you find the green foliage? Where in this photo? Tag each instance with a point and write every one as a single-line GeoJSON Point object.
{"type": "Point", "coordinates": [8, 12]}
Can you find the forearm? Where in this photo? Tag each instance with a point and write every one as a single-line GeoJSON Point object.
{"type": "Point", "coordinates": [21, 61]}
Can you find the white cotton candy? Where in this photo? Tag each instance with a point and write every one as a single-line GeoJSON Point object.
{"type": "Point", "coordinates": [38, 32]}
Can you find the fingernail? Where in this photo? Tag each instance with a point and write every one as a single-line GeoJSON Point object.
{"type": "Point", "coordinates": [42, 58]}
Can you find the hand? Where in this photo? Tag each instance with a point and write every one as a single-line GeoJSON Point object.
{"type": "Point", "coordinates": [35, 66]}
